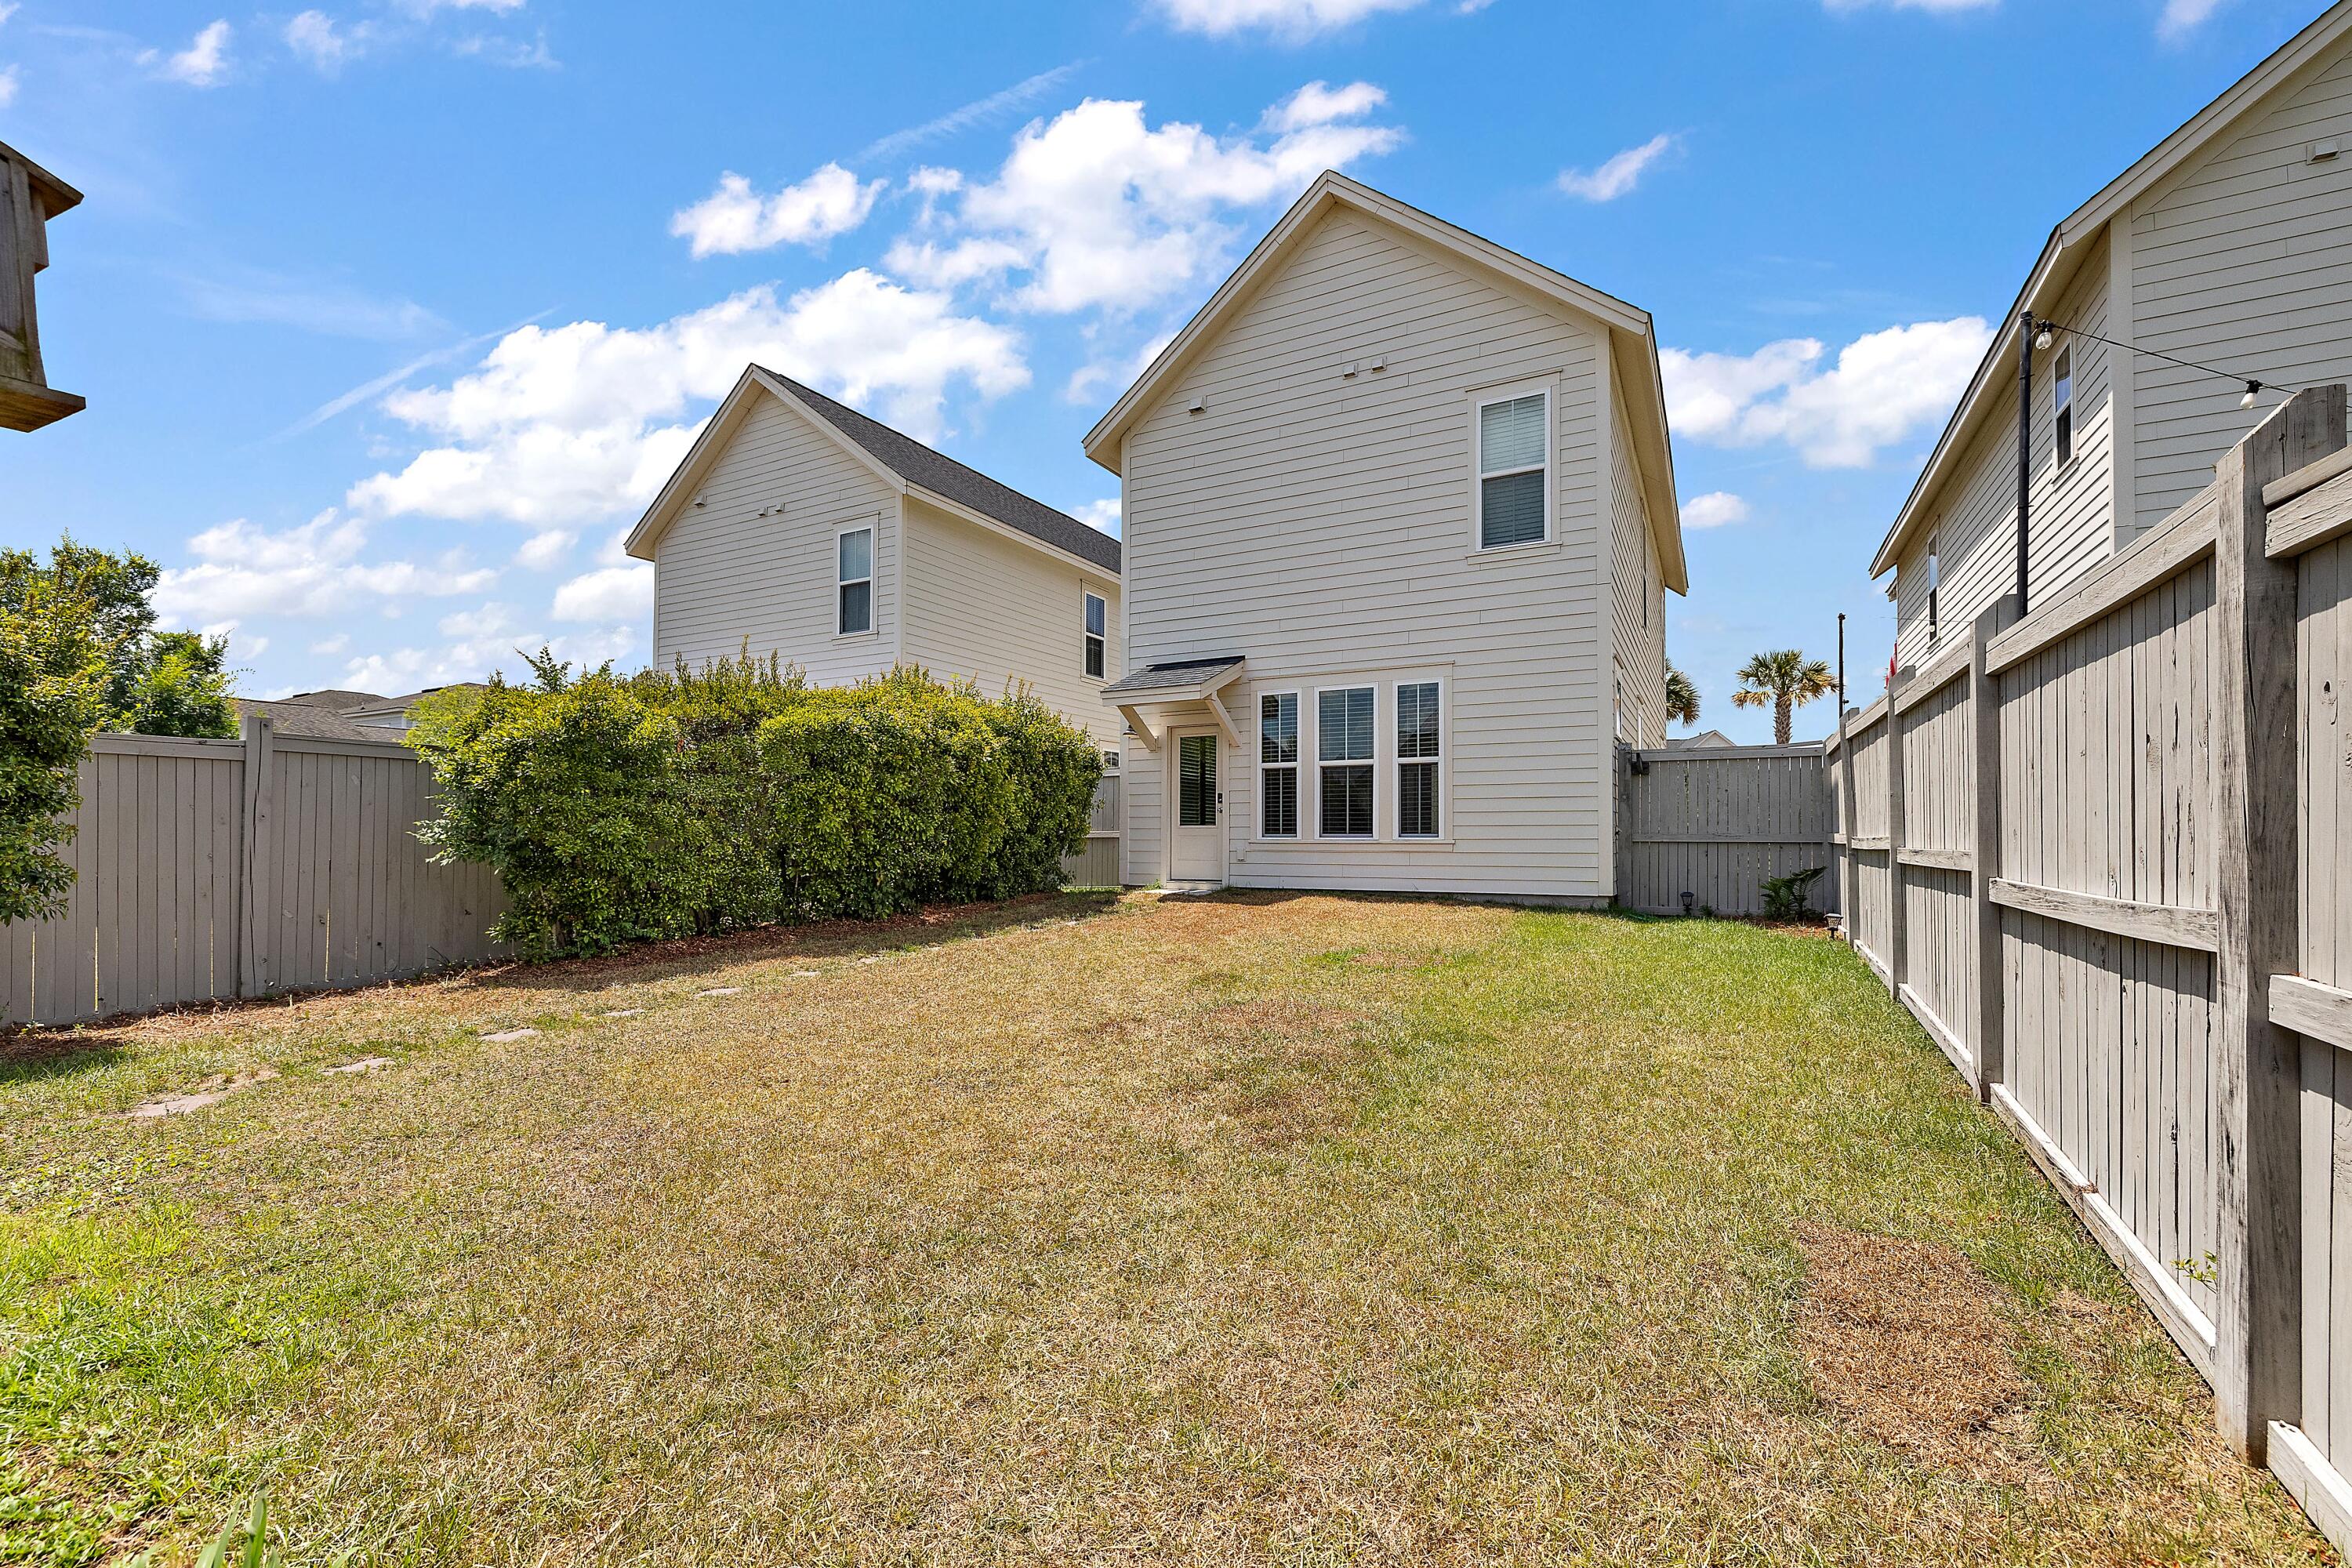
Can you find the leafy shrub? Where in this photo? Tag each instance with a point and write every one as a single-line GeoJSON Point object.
{"type": "Point", "coordinates": [1784, 897]}
{"type": "Point", "coordinates": [52, 695]}
{"type": "Point", "coordinates": [618, 808]}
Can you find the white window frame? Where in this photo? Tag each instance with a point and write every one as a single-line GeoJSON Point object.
{"type": "Point", "coordinates": [1934, 570]}
{"type": "Point", "coordinates": [2065, 444]}
{"type": "Point", "coordinates": [1441, 765]}
{"type": "Point", "coordinates": [1480, 400]}
{"type": "Point", "coordinates": [872, 579]}
{"type": "Point", "coordinates": [1088, 596]}
{"type": "Point", "coordinates": [1374, 763]}
{"type": "Point", "coordinates": [1296, 768]}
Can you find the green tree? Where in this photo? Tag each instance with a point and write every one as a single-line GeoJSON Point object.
{"type": "Point", "coordinates": [168, 683]}
{"type": "Point", "coordinates": [1781, 681]}
{"type": "Point", "coordinates": [1682, 697]}
{"type": "Point", "coordinates": [52, 695]}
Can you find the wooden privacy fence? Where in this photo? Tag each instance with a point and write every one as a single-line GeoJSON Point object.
{"type": "Point", "coordinates": [220, 868]}
{"type": "Point", "coordinates": [1097, 866]}
{"type": "Point", "coordinates": [1715, 823]}
{"type": "Point", "coordinates": [2097, 852]}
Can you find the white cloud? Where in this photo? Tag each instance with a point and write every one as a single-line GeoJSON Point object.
{"type": "Point", "coordinates": [242, 645]}
{"type": "Point", "coordinates": [735, 219]}
{"type": "Point", "coordinates": [1884, 386]}
{"type": "Point", "coordinates": [326, 47]}
{"type": "Point", "coordinates": [513, 54]}
{"type": "Point", "coordinates": [1620, 175]}
{"type": "Point", "coordinates": [1320, 103]}
{"type": "Point", "coordinates": [2182, 17]}
{"type": "Point", "coordinates": [332, 645]}
{"type": "Point", "coordinates": [1714, 510]}
{"type": "Point", "coordinates": [474, 657]}
{"type": "Point", "coordinates": [246, 296]}
{"type": "Point", "coordinates": [8, 10]}
{"type": "Point", "coordinates": [202, 64]}
{"type": "Point", "coordinates": [1102, 514]}
{"type": "Point", "coordinates": [609, 593]}
{"type": "Point", "coordinates": [427, 7]}
{"type": "Point", "coordinates": [973, 114]}
{"type": "Point", "coordinates": [581, 423]}
{"type": "Point", "coordinates": [310, 570]}
{"type": "Point", "coordinates": [1096, 209]}
{"type": "Point", "coordinates": [545, 549]}
{"type": "Point", "coordinates": [1288, 20]}
{"type": "Point", "coordinates": [1121, 372]}
{"type": "Point", "coordinates": [9, 82]}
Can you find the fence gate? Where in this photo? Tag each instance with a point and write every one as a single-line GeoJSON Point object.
{"type": "Point", "coordinates": [1714, 823]}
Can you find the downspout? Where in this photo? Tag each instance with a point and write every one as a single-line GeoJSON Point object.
{"type": "Point", "coordinates": [2025, 448]}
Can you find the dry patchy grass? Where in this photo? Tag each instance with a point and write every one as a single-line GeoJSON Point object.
{"type": "Point", "coordinates": [1256, 1228]}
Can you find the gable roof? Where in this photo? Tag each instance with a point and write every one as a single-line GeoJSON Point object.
{"type": "Point", "coordinates": [904, 463]}
{"type": "Point", "coordinates": [1631, 338]}
{"type": "Point", "coordinates": [2071, 241]}
{"type": "Point", "coordinates": [305, 720]}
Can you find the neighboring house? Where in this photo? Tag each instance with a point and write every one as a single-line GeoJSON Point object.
{"type": "Point", "coordinates": [2224, 247]}
{"type": "Point", "coordinates": [1399, 509]}
{"type": "Point", "coordinates": [802, 528]}
{"type": "Point", "coordinates": [1706, 739]}
{"type": "Point", "coordinates": [339, 715]}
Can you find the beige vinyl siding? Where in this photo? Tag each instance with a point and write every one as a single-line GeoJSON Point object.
{"type": "Point", "coordinates": [724, 574]}
{"type": "Point", "coordinates": [2074, 510]}
{"type": "Point", "coordinates": [982, 605]}
{"type": "Point", "coordinates": [1640, 622]}
{"type": "Point", "coordinates": [1321, 525]}
{"type": "Point", "coordinates": [2242, 260]}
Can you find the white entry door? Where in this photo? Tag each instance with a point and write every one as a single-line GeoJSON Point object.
{"type": "Point", "coordinates": [1197, 842]}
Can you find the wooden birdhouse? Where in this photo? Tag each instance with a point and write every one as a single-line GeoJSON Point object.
{"type": "Point", "coordinates": [29, 197]}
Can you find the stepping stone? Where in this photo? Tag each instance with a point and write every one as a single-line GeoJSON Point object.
{"type": "Point", "coordinates": [625, 1012]}
{"type": "Point", "coordinates": [806, 974]}
{"type": "Point", "coordinates": [503, 1036]}
{"type": "Point", "coordinates": [719, 990]}
{"type": "Point", "coordinates": [876, 958]}
{"type": "Point", "coordinates": [365, 1064]}
{"type": "Point", "coordinates": [212, 1092]}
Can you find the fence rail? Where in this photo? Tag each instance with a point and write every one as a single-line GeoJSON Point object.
{"type": "Point", "coordinates": [1715, 824]}
{"type": "Point", "coordinates": [2097, 852]}
{"type": "Point", "coordinates": [208, 870]}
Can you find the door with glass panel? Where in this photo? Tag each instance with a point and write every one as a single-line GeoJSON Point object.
{"type": "Point", "coordinates": [1196, 851]}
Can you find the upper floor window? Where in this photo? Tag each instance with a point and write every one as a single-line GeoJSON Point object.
{"type": "Point", "coordinates": [1513, 470]}
{"type": "Point", "coordinates": [1344, 752]}
{"type": "Point", "coordinates": [1934, 581]}
{"type": "Point", "coordinates": [2062, 405]}
{"type": "Point", "coordinates": [856, 580]}
{"type": "Point", "coordinates": [1096, 624]}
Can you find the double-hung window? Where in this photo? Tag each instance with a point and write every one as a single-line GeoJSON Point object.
{"type": "Point", "coordinates": [1277, 792]}
{"type": "Point", "coordinates": [856, 575]}
{"type": "Point", "coordinates": [1344, 759]}
{"type": "Point", "coordinates": [1096, 629]}
{"type": "Point", "coordinates": [1419, 753]}
{"type": "Point", "coordinates": [1513, 470]}
{"type": "Point", "coordinates": [2062, 405]}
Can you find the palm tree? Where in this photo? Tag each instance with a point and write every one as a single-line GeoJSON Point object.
{"type": "Point", "coordinates": [1682, 697]}
{"type": "Point", "coordinates": [1782, 680]}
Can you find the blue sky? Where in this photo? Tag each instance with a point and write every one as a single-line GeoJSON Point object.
{"type": "Point", "coordinates": [393, 313]}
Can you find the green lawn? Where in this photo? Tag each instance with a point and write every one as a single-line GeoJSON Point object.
{"type": "Point", "coordinates": [1249, 1229]}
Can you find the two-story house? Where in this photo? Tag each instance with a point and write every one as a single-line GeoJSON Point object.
{"type": "Point", "coordinates": [800, 527]}
{"type": "Point", "coordinates": [2220, 259]}
{"type": "Point", "coordinates": [1399, 514]}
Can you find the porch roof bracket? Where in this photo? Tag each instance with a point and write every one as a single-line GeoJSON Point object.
{"type": "Point", "coordinates": [1143, 731]}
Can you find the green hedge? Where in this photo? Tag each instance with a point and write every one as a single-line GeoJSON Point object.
{"type": "Point", "coordinates": [621, 808]}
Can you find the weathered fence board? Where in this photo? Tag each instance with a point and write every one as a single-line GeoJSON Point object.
{"type": "Point", "coordinates": [1716, 824]}
{"type": "Point", "coordinates": [208, 869]}
{"type": "Point", "coordinates": [2115, 832]}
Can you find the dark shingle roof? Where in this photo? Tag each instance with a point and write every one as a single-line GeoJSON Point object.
{"type": "Point", "coordinates": [334, 700]}
{"type": "Point", "coordinates": [942, 475]}
{"type": "Point", "coordinates": [1161, 677]}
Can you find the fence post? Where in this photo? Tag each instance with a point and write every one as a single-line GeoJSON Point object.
{"type": "Point", "coordinates": [2258, 1352]}
{"type": "Point", "coordinates": [1898, 963]}
{"type": "Point", "coordinates": [1984, 859]}
{"type": "Point", "coordinates": [254, 896]}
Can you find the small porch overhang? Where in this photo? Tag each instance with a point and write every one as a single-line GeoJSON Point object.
{"type": "Point", "coordinates": [1152, 691]}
